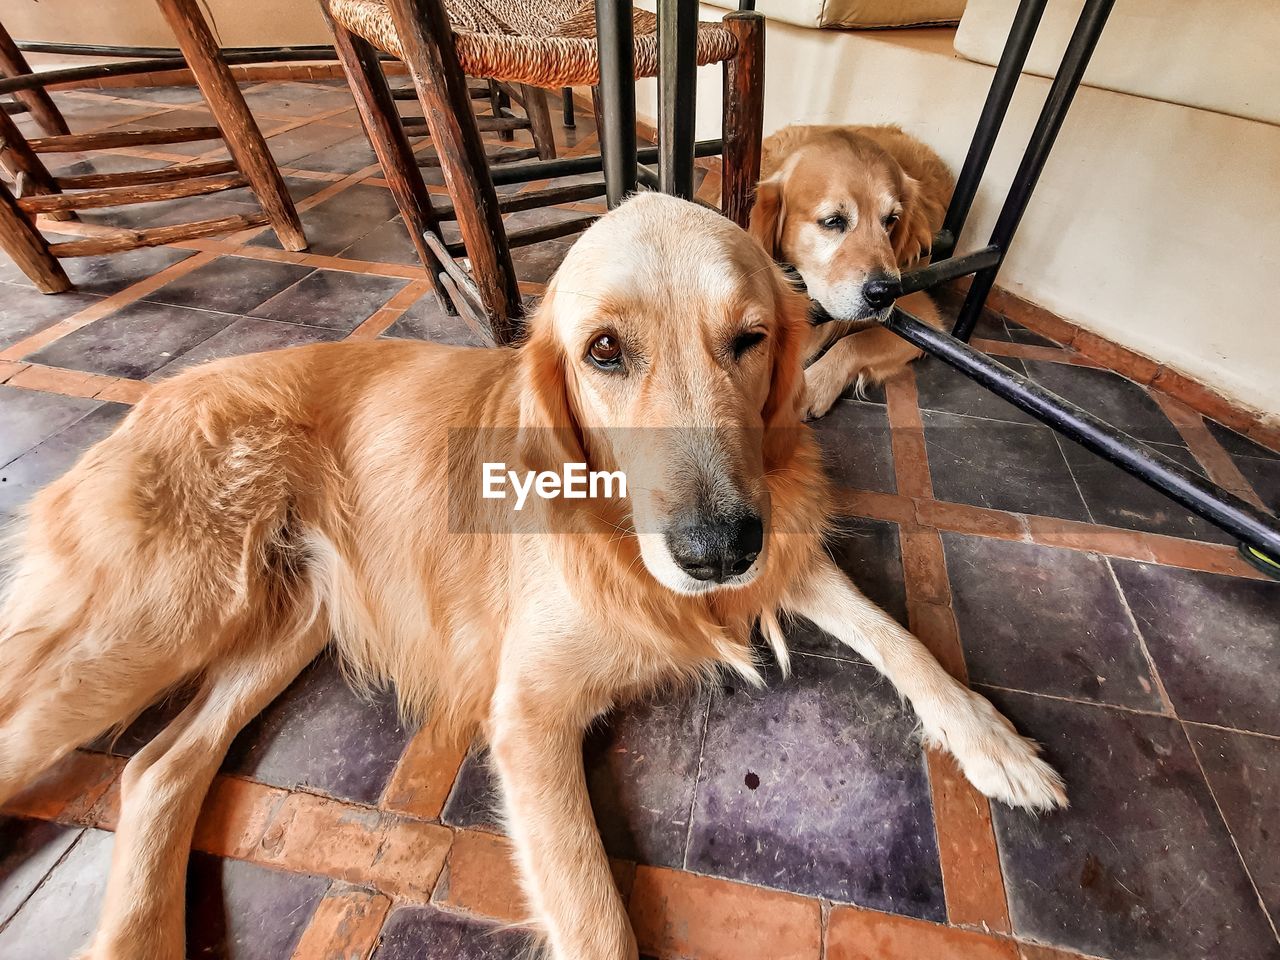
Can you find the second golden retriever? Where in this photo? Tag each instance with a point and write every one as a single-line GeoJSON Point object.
{"type": "Point", "coordinates": [251, 511]}
{"type": "Point", "coordinates": [850, 207]}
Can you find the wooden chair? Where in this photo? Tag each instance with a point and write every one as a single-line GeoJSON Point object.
{"type": "Point", "coordinates": [37, 191]}
{"type": "Point", "coordinates": [532, 46]}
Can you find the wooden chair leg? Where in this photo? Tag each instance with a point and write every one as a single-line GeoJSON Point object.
{"type": "Point", "coordinates": [226, 102]}
{"type": "Point", "coordinates": [566, 107]}
{"type": "Point", "coordinates": [381, 121]}
{"type": "Point", "coordinates": [25, 167]}
{"type": "Point", "coordinates": [43, 110]}
{"type": "Point", "coordinates": [498, 103]}
{"type": "Point", "coordinates": [597, 109]}
{"type": "Point", "coordinates": [743, 116]}
{"type": "Point", "coordinates": [426, 40]}
{"type": "Point", "coordinates": [539, 114]}
{"type": "Point", "coordinates": [22, 241]}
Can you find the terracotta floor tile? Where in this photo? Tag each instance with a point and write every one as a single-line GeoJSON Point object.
{"type": "Point", "coordinates": [863, 935]}
{"type": "Point", "coordinates": [678, 914]}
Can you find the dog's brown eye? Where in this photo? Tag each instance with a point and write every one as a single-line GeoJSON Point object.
{"type": "Point", "coordinates": [745, 341]}
{"type": "Point", "coordinates": [605, 352]}
{"type": "Point", "coordinates": [836, 222]}
{"type": "Point", "coordinates": [890, 221]}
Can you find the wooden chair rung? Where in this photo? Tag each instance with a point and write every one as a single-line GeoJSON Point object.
{"type": "Point", "coordinates": [123, 196]}
{"type": "Point", "coordinates": [133, 178]}
{"type": "Point", "coordinates": [419, 124]}
{"type": "Point", "coordinates": [109, 139]}
{"type": "Point", "coordinates": [531, 235]}
{"type": "Point", "coordinates": [515, 202]}
{"type": "Point", "coordinates": [120, 240]}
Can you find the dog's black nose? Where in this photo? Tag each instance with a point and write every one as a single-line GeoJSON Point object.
{"type": "Point", "coordinates": [880, 291]}
{"type": "Point", "coordinates": [716, 548]}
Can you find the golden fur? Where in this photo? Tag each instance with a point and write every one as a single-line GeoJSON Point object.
{"type": "Point", "coordinates": [864, 173]}
{"type": "Point", "coordinates": [249, 511]}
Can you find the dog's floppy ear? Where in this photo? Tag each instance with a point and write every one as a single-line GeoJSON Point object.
{"type": "Point", "coordinates": [912, 236]}
{"type": "Point", "coordinates": [768, 216]}
{"type": "Point", "coordinates": [549, 432]}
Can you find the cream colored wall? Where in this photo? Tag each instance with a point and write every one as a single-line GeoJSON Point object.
{"type": "Point", "coordinates": [138, 23]}
{"type": "Point", "coordinates": [1154, 225]}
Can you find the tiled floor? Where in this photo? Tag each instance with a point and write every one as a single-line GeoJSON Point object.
{"type": "Point", "coordinates": [802, 821]}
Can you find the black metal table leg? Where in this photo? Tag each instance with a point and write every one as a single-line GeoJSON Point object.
{"type": "Point", "coordinates": [1197, 494]}
{"type": "Point", "coordinates": [1023, 31]}
{"type": "Point", "coordinates": [1083, 39]}
{"type": "Point", "coordinates": [614, 30]}
{"type": "Point", "coordinates": [677, 94]}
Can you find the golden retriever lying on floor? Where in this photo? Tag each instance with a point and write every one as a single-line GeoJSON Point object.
{"type": "Point", "coordinates": [849, 208]}
{"type": "Point", "coordinates": [250, 511]}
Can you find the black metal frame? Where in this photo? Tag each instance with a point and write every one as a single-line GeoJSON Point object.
{"type": "Point", "coordinates": [1254, 527]}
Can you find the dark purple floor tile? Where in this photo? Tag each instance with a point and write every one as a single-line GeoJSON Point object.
{"type": "Point", "coordinates": [290, 146]}
{"type": "Point", "coordinates": [538, 261]}
{"type": "Point", "coordinates": [22, 478]}
{"type": "Point", "coordinates": [342, 220]}
{"type": "Point", "coordinates": [58, 919]}
{"type": "Point", "coordinates": [230, 284]}
{"type": "Point", "coordinates": [247, 335]}
{"type": "Point", "coordinates": [1120, 402]}
{"type": "Point", "coordinates": [31, 416]}
{"type": "Point", "coordinates": [1046, 620]}
{"type": "Point", "coordinates": [869, 552]}
{"type": "Point", "coordinates": [344, 156]}
{"type": "Point", "coordinates": [112, 273]}
{"type": "Point", "coordinates": [1213, 640]}
{"type": "Point", "coordinates": [321, 735]}
{"type": "Point", "coordinates": [302, 187]}
{"type": "Point", "coordinates": [426, 320]}
{"type": "Point", "coordinates": [165, 213]}
{"type": "Point", "coordinates": [1004, 466]}
{"type": "Point", "coordinates": [1244, 773]}
{"type": "Point", "coordinates": [240, 911]}
{"type": "Point", "coordinates": [475, 800]}
{"type": "Point", "coordinates": [25, 310]}
{"type": "Point", "coordinates": [857, 446]}
{"type": "Point", "coordinates": [297, 99]}
{"type": "Point", "coordinates": [1263, 475]}
{"type": "Point", "coordinates": [135, 341]}
{"type": "Point", "coordinates": [1020, 334]}
{"type": "Point", "coordinates": [332, 299]}
{"type": "Point", "coordinates": [424, 933]}
{"type": "Point", "coordinates": [1141, 866]}
{"type": "Point", "coordinates": [1237, 444]}
{"type": "Point", "coordinates": [946, 391]}
{"type": "Point", "coordinates": [180, 93]}
{"type": "Point", "coordinates": [388, 243]}
{"type": "Point", "coordinates": [641, 766]}
{"type": "Point", "coordinates": [1119, 500]}
{"type": "Point", "coordinates": [817, 785]}
{"type": "Point", "coordinates": [29, 849]}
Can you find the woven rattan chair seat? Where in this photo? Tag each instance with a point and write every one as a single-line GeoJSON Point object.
{"type": "Point", "coordinates": [545, 43]}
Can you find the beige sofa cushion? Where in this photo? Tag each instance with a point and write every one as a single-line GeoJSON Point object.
{"type": "Point", "coordinates": [856, 14]}
{"type": "Point", "coordinates": [1218, 55]}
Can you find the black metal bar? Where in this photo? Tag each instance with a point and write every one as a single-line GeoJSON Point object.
{"type": "Point", "coordinates": [677, 94]}
{"type": "Point", "coordinates": [649, 177]}
{"type": "Point", "coordinates": [566, 106]}
{"type": "Point", "coordinates": [1023, 31]}
{"type": "Point", "coordinates": [1197, 494]}
{"type": "Point", "coordinates": [1074, 62]}
{"type": "Point", "coordinates": [746, 6]}
{"type": "Point", "coordinates": [594, 163]}
{"type": "Point", "coordinates": [921, 278]}
{"type": "Point", "coordinates": [614, 40]}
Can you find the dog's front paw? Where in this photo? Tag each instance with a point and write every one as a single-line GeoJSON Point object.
{"type": "Point", "coordinates": [819, 397]}
{"type": "Point", "coordinates": [1000, 762]}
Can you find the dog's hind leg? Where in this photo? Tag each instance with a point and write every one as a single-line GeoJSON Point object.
{"type": "Point", "coordinates": [165, 784]}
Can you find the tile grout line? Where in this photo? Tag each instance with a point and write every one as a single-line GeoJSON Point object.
{"type": "Point", "coordinates": [392, 310]}
{"type": "Point", "coordinates": [968, 852]}
{"type": "Point", "coordinates": [1161, 691]}
{"type": "Point", "coordinates": [1262, 904]}
{"type": "Point", "coordinates": [697, 781]}
{"type": "Point", "coordinates": [103, 308]}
